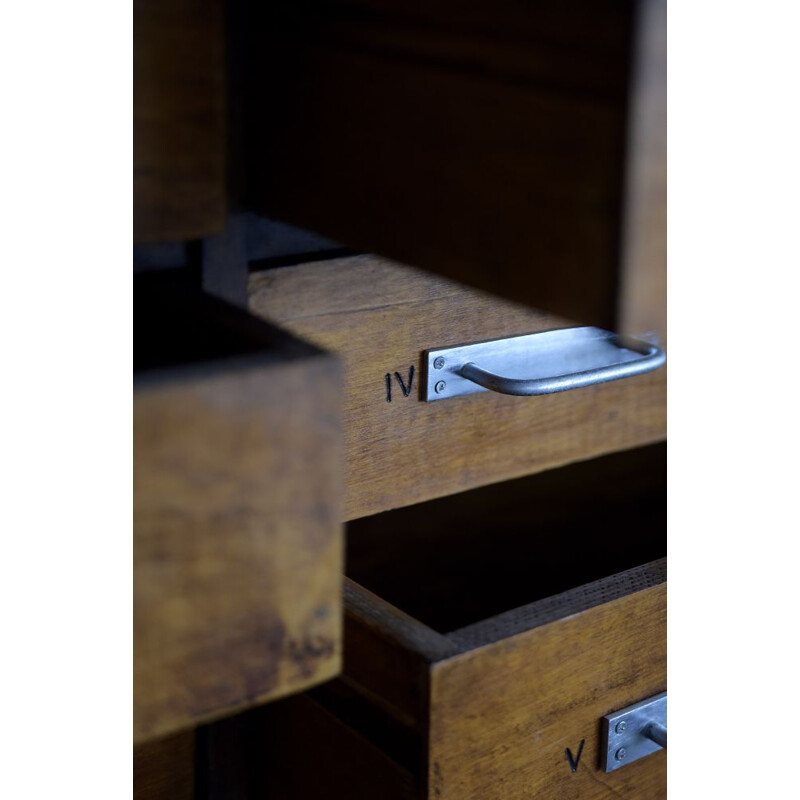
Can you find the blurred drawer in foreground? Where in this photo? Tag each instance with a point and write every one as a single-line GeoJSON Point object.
{"type": "Point", "coordinates": [486, 637]}
{"type": "Point", "coordinates": [380, 317]}
{"type": "Point", "coordinates": [237, 534]}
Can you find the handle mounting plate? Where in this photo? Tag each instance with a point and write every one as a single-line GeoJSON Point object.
{"type": "Point", "coordinates": [624, 731]}
{"type": "Point", "coordinates": [563, 359]}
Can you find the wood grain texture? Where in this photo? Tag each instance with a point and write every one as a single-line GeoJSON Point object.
{"type": "Point", "coordinates": [482, 141]}
{"type": "Point", "coordinates": [379, 316]}
{"type": "Point", "coordinates": [163, 769]}
{"type": "Point", "coordinates": [534, 694]}
{"type": "Point", "coordinates": [388, 656]}
{"type": "Point", "coordinates": [237, 542]}
{"type": "Point", "coordinates": [179, 126]}
{"type": "Point", "coordinates": [499, 713]}
{"type": "Point", "coordinates": [643, 297]}
{"type": "Point", "coordinates": [487, 710]}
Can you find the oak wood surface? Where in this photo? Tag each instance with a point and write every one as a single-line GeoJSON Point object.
{"type": "Point", "coordinates": [237, 543]}
{"type": "Point", "coordinates": [488, 709]}
{"type": "Point", "coordinates": [483, 141]}
{"type": "Point", "coordinates": [379, 316]}
{"type": "Point", "coordinates": [179, 125]}
{"type": "Point", "coordinates": [535, 694]}
{"type": "Point", "coordinates": [500, 712]}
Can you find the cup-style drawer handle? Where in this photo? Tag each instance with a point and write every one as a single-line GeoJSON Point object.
{"type": "Point", "coordinates": [538, 363]}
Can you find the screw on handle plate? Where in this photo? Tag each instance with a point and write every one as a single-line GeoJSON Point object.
{"type": "Point", "coordinates": [538, 363]}
{"type": "Point", "coordinates": [634, 732]}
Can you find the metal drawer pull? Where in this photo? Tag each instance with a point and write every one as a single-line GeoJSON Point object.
{"type": "Point", "coordinates": [656, 733]}
{"type": "Point", "coordinates": [634, 732]}
{"type": "Point", "coordinates": [538, 363]}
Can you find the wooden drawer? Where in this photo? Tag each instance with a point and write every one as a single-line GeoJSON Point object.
{"type": "Point", "coordinates": [237, 541]}
{"type": "Point", "coordinates": [485, 637]}
{"type": "Point", "coordinates": [380, 316]}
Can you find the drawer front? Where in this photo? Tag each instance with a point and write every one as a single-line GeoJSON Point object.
{"type": "Point", "coordinates": [507, 714]}
{"type": "Point", "coordinates": [237, 543]}
{"type": "Point", "coordinates": [379, 317]}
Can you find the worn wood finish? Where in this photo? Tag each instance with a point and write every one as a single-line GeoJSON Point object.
{"type": "Point", "coordinates": [501, 710]}
{"type": "Point", "coordinates": [484, 706]}
{"type": "Point", "coordinates": [535, 694]}
{"type": "Point", "coordinates": [480, 140]}
{"type": "Point", "coordinates": [179, 126]}
{"type": "Point", "coordinates": [163, 769]}
{"type": "Point", "coordinates": [379, 316]}
{"type": "Point", "coordinates": [643, 298]}
{"type": "Point", "coordinates": [237, 542]}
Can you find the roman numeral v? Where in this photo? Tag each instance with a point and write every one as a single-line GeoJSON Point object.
{"type": "Point", "coordinates": [573, 761]}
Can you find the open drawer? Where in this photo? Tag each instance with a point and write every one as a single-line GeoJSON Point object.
{"type": "Point", "coordinates": [237, 539]}
{"type": "Point", "coordinates": [486, 635]}
{"type": "Point", "coordinates": [380, 318]}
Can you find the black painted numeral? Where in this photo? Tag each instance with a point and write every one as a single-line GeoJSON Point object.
{"type": "Point", "coordinates": [574, 760]}
{"type": "Point", "coordinates": [406, 390]}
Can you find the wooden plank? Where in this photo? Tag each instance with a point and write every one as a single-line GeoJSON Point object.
{"type": "Point", "coordinates": [163, 769]}
{"type": "Point", "coordinates": [533, 695]}
{"type": "Point", "coordinates": [483, 141]}
{"type": "Point", "coordinates": [179, 126]}
{"type": "Point", "coordinates": [643, 294]}
{"type": "Point", "coordinates": [237, 542]}
{"type": "Point", "coordinates": [379, 316]}
{"type": "Point", "coordinates": [388, 655]}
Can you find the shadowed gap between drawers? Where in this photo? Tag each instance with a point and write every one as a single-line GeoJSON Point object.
{"type": "Point", "coordinates": [453, 562]}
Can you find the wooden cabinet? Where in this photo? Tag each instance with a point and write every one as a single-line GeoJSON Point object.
{"type": "Point", "coordinates": [506, 571]}
{"type": "Point", "coordinates": [237, 548]}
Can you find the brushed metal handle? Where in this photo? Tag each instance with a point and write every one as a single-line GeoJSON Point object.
{"type": "Point", "coordinates": [652, 358]}
{"type": "Point", "coordinates": [538, 364]}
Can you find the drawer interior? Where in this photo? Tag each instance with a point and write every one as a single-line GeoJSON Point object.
{"type": "Point", "coordinates": [453, 562]}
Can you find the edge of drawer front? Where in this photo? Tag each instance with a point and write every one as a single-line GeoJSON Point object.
{"type": "Point", "coordinates": [388, 655]}
{"type": "Point", "coordinates": [380, 316]}
{"type": "Point", "coordinates": [237, 544]}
